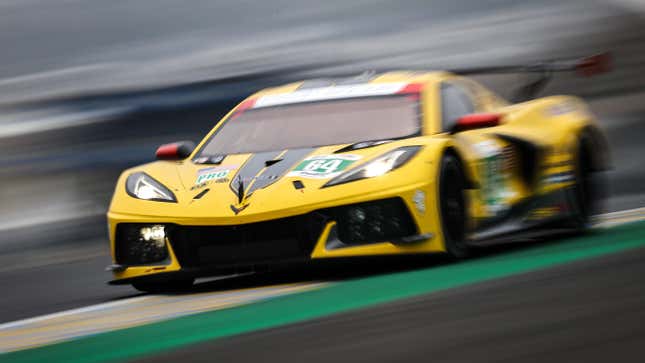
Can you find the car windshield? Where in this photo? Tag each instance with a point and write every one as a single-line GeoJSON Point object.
{"type": "Point", "coordinates": [320, 123]}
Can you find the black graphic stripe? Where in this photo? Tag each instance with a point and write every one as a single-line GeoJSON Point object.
{"type": "Point", "coordinates": [276, 171]}
{"type": "Point", "coordinates": [252, 168]}
{"type": "Point", "coordinates": [255, 173]}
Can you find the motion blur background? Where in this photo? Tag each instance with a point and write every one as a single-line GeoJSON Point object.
{"type": "Point", "coordinates": [90, 87]}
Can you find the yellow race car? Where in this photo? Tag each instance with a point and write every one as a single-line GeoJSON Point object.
{"type": "Point", "coordinates": [393, 163]}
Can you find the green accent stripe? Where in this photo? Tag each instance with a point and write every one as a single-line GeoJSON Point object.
{"type": "Point", "coordinates": [340, 297]}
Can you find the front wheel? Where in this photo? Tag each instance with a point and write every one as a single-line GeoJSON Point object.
{"type": "Point", "coordinates": [452, 206]}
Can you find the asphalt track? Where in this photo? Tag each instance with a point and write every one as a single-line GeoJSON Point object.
{"type": "Point", "coordinates": [513, 310]}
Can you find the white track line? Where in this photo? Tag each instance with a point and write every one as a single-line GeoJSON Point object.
{"type": "Point", "coordinates": [75, 323]}
{"type": "Point", "coordinates": [91, 308]}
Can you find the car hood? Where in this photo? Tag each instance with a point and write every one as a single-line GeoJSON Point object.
{"type": "Point", "coordinates": [252, 186]}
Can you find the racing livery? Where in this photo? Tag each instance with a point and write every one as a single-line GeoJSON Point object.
{"type": "Point", "coordinates": [396, 163]}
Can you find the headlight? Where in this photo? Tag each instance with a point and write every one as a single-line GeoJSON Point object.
{"type": "Point", "coordinates": [379, 166]}
{"type": "Point", "coordinates": [143, 186]}
{"type": "Point", "coordinates": [140, 244]}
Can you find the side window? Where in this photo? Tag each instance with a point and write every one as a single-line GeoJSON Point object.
{"type": "Point", "coordinates": [454, 103]}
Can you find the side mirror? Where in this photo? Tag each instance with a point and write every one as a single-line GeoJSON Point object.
{"type": "Point", "coordinates": [175, 151]}
{"type": "Point", "coordinates": [476, 121]}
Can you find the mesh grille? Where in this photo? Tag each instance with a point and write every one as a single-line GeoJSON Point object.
{"type": "Point", "coordinates": [254, 243]}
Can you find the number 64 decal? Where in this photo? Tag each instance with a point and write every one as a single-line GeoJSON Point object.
{"type": "Point", "coordinates": [323, 166]}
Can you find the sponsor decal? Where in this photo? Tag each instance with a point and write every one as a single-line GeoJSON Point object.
{"type": "Point", "coordinates": [259, 177]}
{"type": "Point", "coordinates": [494, 191]}
{"type": "Point", "coordinates": [323, 166]}
{"type": "Point", "coordinates": [419, 200]}
{"type": "Point", "coordinates": [207, 183]}
{"type": "Point", "coordinates": [559, 178]}
{"type": "Point", "coordinates": [487, 148]}
{"type": "Point", "coordinates": [544, 213]}
{"type": "Point", "coordinates": [331, 93]}
{"type": "Point", "coordinates": [215, 174]}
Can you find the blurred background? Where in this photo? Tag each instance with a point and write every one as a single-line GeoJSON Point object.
{"type": "Point", "coordinates": [89, 87]}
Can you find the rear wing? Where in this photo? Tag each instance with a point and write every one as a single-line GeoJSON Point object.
{"type": "Point", "coordinates": [586, 67]}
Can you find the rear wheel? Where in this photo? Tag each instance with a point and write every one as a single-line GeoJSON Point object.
{"type": "Point", "coordinates": [452, 205]}
{"type": "Point", "coordinates": [158, 287]}
{"type": "Point", "coordinates": [587, 190]}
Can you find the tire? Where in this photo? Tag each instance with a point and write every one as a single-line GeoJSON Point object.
{"type": "Point", "coordinates": [159, 287]}
{"type": "Point", "coordinates": [452, 206]}
{"type": "Point", "coordinates": [588, 187]}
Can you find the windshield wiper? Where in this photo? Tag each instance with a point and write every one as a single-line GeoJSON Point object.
{"type": "Point", "coordinates": [362, 145]}
{"type": "Point", "coordinates": [211, 160]}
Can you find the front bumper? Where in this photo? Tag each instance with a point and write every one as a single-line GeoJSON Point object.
{"type": "Point", "coordinates": [393, 225]}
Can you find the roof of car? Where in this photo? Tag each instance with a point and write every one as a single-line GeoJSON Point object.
{"type": "Point", "coordinates": [398, 77]}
